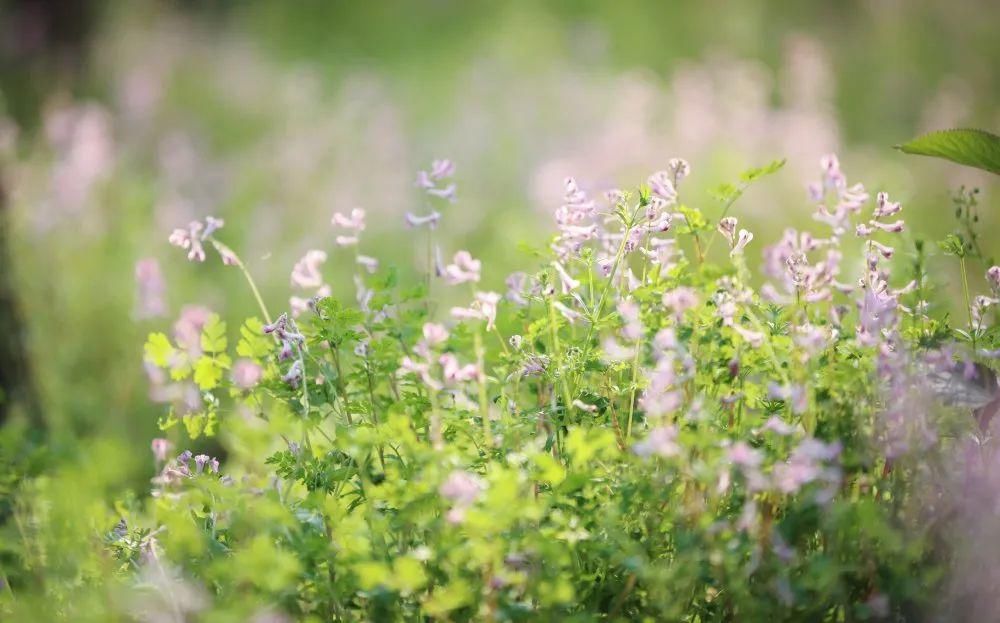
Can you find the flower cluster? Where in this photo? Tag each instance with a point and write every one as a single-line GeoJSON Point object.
{"type": "Point", "coordinates": [646, 389]}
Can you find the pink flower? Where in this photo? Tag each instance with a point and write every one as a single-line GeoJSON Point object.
{"type": "Point", "coordinates": [742, 241]}
{"type": "Point", "coordinates": [160, 447]}
{"type": "Point", "coordinates": [431, 220]}
{"type": "Point", "coordinates": [727, 227]}
{"type": "Point", "coordinates": [662, 184]}
{"type": "Point", "coordinates": [435, 334]}
{"type": "Point", "coordinates": [454, 372]}
{"type": "Point", "coordinates": [246, 373]}
{"type": "Point", "coordinates": [462, 488]}
{"type": "Point", "coordinates": [306, 273]}
{"type": "Point", "coordinates": [680, 300]}
{"type": "Point", "coordinates": [440, 170]}
{"type": "Point", "coordinates": [150, 289]}
{"type": "Point", "coordinates": [354, 222]}
{"type": "Point", "coordinates": [487, 302]}
{"type": "Point", "coordinates": [661, 441]}
{"type": "Point", "coordinates": [189, 239]}
{"type": "Point", "coordinates": [993, 277]}
{"type": "Point", "coordinates": [777, 426]}
{"type": "Point", "coordinates": [568, 283]}
{"type": "Point", "coordinates": [742, 455]}
{"type": "Point", "coordinates": [464, 268]}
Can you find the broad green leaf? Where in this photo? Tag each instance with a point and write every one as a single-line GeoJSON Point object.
{"type": "Point", "coordinates": [973, 148]}
{"type": "Point", "coordinates": [213, 335]}
{"type": "Point", "coordinates": [158, 350]}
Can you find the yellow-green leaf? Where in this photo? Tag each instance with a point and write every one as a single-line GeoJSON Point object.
{"type": "Point", "coordinates": [208, 371]}
{"type": "Point", "coordinates": [408, 575]}
{"type": "Point", "coordinates": [158, 350]}
{"type": "Point", "coordinates": [213, 335]}
{"type": "Point", "coordinates": [253, 343]}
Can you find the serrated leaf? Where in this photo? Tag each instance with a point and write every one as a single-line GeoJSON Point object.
{"type": "Point", "coordinates": [158, 350]}
{"type": "Point", "coordinates": [213, 335]}
{"type": "Point", "coordinates": [972, 148]}
{"type": "Point", "coordinates": [181, 368]}
{"type": "Point", "coordinates": [208, 371]}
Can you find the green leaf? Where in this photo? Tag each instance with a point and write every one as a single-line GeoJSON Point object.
{"type": "Point", "coordinates": [158, 350]}
{"type": "Point", "coordinates": [213, 335]}
{"type": "Point", "coordinates": [372, 574]}
{"type": "Point", "coordinates": [973, 148]}
{"type": "Point", "coordinates": [253, 343]}
{"type": "Point", "coordinates": [408, 575]}
{"type": "Point", "coordinates": [208, 371]}
{"type": "Point", "coordinates": [752, 175]}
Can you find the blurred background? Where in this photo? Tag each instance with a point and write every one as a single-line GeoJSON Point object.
{"type": "Point", "coordinates": [120, 121]}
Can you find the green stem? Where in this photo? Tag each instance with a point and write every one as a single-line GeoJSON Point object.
{"type": "Point", "coordinates": [968, 300]}
{"type": "Point", "coordinates": [229, 255]}
{"type": "Point", "coordinates": [484, 405]}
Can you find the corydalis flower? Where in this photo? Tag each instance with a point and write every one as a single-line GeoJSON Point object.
{"type": "Point", "coordinates": [431, 180]}
{"type": "Point", "coordinates": [190, 239]}
{"type": "Point", "coordinates": [306, 273]}
{"type": "Point", "coordinates": [150, 289]}
{"type": "Point", "coordinates": [993, 277]}
{"type": "Point", "coordinates": [463, 268]}
{"type": "Point", "coordinates": [431, 220]}
{"type": "Point", "coordinates": [661, 441]}
{"type": "Point", "coordinates": [454, 372]}
{"type": "Point", "coordinates": [574, 219]}
{"type": "Point", "coordinates": [160, 448]}
{"type": "Point", "coordinates": [353, 223]}
{"type": "Point", "coordinates": [462, 489]}
{"type": "Point", "coordinates": [662, 185]}
{"type": "Point", "coordinates": [484, 307]}
{"type": "Point", "coordinates": [737, 242]}
{"type": "Point", "coordinates": [679, 300]}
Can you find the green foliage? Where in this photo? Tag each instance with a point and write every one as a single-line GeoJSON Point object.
{"type": "Point", "coordinates": [972, 148]}
{"type": "Point", "coordinates": [642, 437]}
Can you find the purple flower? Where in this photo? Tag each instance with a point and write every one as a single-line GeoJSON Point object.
{"type": "Point", "coordinates": [661, 441]}
{"type": "Point", "coordinates": [150, 289]}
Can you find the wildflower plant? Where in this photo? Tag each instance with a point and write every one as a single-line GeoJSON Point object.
{"type": "Point", "coordinates": [643, 425]}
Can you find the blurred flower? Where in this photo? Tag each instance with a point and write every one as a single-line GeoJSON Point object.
{"type": "Point", "coordinates": [306, 273]}
{"type": "Point", "coordinates": [160, 449]}
{"type": "Point", "coordinates": [150, 289]}
{"type": "Point", "coordinates": [661, 441]}
{"type": "Point", "coordinates": [246, 373]}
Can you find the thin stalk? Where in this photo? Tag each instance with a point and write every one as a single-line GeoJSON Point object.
{"type": "Point", "coordinates": [968, 300]}
{"type": "Point", "coordinates": [229, 257]}
{"type": "Point", "coordinates": [558, 355]}
{"type": "Point", "coordinates": [484, 405]}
